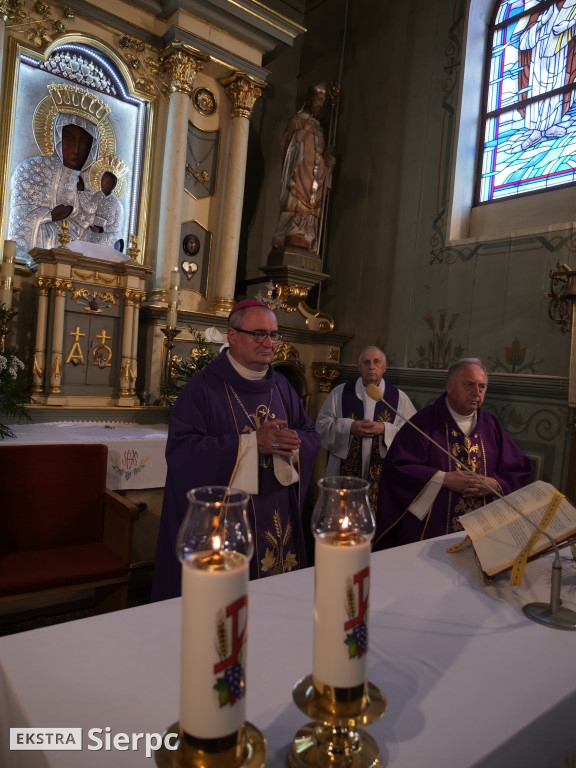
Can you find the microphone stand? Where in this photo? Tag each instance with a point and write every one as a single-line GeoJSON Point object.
{"type": "Point", "coordinates": [551, 614]}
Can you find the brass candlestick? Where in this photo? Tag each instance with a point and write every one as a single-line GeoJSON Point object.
{"type": "Point", "coordinates": [334, 739]}
{"type": "Point", "coordinates": [170, 334]}
{"type": "Point", "coordinates": [5, 317]}
{"type": "Point", "coordinates": [244, 749]}
{"type": "Point", "coordinates": [64, 236]}
{"type": "Point", "coordinates": [338, 695]}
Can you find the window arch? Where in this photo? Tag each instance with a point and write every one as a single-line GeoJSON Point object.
{"type": "Point", "coordinates": [549, 208]}
{"type": "Point", "coordinates": [529, 123]}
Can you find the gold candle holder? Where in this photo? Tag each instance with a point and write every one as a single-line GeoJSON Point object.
{"type": "Point", "coordinates": [170, 334]}
{"type": "Point", "coordinates": [338, 696]}
{"type": "Point", "coordinates": [5, 318]}
{"type": "Point", "coordinates": [335, 739]}
{"type": "Point", "coordinates": [214, 545]}
{"type": "Point", "coordinates": [244, 749]}
{"type": "Point", "coordinates": [64, 235]}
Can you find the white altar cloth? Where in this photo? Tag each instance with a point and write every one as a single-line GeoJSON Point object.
{"type": "Point", "coordinates": [135, 451]}
{"type": "Point", "coordinates": [470, 681]}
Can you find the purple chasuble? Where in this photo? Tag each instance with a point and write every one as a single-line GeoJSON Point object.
{"type": "Point", "coordinates": [353, 408]}
{"type": "Point", "coordinates": [412, 461]}
{"type": "Point", "coordinates": [213, 410]}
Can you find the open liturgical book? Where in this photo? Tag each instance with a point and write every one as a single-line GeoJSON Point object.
{"type": "Point", "coordinates": [502, 539]}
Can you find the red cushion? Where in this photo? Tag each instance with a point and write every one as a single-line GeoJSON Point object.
{"type": "Point", "coordinates": [52, 495]}
{"type": "Point", "coordinates": [36, 571]}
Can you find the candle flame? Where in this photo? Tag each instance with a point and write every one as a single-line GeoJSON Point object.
{"type": "Point", "coordinates": [345, 523]}
{"type": "Point", "coordinates": [216, 543]}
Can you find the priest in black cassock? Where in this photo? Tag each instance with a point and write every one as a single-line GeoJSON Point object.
{"type": "Point", "coordinates": [239, 423]}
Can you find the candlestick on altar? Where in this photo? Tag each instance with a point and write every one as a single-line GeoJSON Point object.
{"type": "Point", "coordinates": [338, 695]}
{"type": "Point", "coordinates": [170, 334]}
{"type": "Point", "coordinates": [7, 273]}
{"type": "Point", "coordinates": [214, 545]}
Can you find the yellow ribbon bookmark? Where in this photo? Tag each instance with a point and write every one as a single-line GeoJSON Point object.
{"type": "Point", "coordinates": [520, 563]}
{"type": "Point", "coordinates": [458, 547]}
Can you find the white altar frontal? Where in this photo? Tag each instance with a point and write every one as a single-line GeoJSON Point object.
{"type": "Point", "coordinates": [86, 329]}
{"type": "Point", "coordinates": [135, 451]}
{"type": "Point", "coordinates": [469, 680]}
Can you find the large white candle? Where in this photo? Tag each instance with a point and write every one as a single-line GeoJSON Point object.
{"type": "Point", "coordinates": [7, 272]}
{"type": "Point", "coordinates": [342, 583]}
{"type": "Point", "coordinates": [214, 627]}
{"type": "Point", "coordinates": [172, 315]}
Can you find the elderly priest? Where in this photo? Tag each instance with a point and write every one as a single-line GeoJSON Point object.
{"type": "Point", "coordinates": [422, 490]}
{"type": "Point", "coordinates": [239, 423]}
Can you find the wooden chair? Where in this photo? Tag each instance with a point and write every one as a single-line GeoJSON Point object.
{"type": "Point", "coordinates": [61, 529]}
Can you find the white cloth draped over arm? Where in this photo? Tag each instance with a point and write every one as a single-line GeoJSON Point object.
{"type": "Point", "coordinates": [246, 475]}
{"type": "Point", "coordinates": [422, 503]}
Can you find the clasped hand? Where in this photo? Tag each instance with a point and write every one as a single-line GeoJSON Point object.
{"type": "Point", "coordinates": [467, 484]}
{"type": "Point", "coordinates": [366, 428]}
{"type": "Point", "coordinates": [274, 437]}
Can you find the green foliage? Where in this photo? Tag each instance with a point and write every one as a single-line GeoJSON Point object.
{"type": "Point", "coordinates": [183, 369]}
{"type": "Point", "coordinates": [14, 392]}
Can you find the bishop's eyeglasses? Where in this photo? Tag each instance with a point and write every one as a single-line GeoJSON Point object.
{"type": "Point", "coordinates": [260, 336]}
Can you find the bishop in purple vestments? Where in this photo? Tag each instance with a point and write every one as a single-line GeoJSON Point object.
{"type": "Point", "coordinates": [239, 423]}
{"type": "Point", "coordinates": [423, 491]}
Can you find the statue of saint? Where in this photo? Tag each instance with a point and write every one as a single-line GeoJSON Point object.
{"type": "Point", "coordinates": [306, 173]}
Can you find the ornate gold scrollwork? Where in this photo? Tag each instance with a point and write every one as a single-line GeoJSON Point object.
{"type": "Point", "coordinates": [95, 277]}
{"type": "Point", "coordinates": [133, 52]}
{"type": "Point", "coordinates": [326, 374]}
{"type": "Point", "coordinates": [44, 285]}
{"type": "Point", "coordinates": [289, 353]}
{"type": "Point", "coordinates": [36, 29]}
{"type": "Point", "coordinates": [125, 379]}
{"type": "Point", "coordinates": [133, 297]}
{"type": "Point", "coordinates": [38, 373]}
{"type": "Point", "coordinates": [93, 300]}
{"type": "Point", "coordinates": [182, 66]}
{"type": "Point", "coordinates": [291, 296]}
{"type": "Point", "coordinates": [56, 374]}
{"type": "Point", "coordinates": [243, 91]}
{"type": "Point", "coordinates": [61, 285]}
{"type": "Point", "coordinates": [316, 321]}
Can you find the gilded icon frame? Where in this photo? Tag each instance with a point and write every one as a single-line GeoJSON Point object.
{"type": "Point", "coordinates": [130, 123]}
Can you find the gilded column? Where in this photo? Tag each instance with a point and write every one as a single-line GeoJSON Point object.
{"type": "Point", "coordinates": [3, 19]}
{"type": "Point", "coordinates": [43, 285]}
{"type": "Point", "coordinates": [128, 330]}
{"type": "Point", "coordinates": [55, 374]}
{"type": "Point", "coordinates": [138, 297]}
{"type": "Point", "coordinates": [243, 91]}
{"type": "Point", "coordinates": [182, 66]}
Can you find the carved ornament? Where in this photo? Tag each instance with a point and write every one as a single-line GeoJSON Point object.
{"type": "Point", "coordinates": [243, 91]}
{"type": "Point", "coordinates": [182, 67]}
{"type": "Point", "coordinates": [326, 374]}
{"type": "Point", "coordinates": [288, 353]}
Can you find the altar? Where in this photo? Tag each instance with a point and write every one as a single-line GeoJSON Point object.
{"type": "Point", "coordinates": [135, 451]}
{"type": "Point", "coordinates": [469, 680]}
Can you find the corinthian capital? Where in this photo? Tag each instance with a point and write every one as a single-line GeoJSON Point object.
{"type": "Point", "coordinates": [242, 91]}
{"type": "Point", "coordinates": [182, 66]}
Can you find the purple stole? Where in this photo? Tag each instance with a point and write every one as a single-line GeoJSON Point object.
{"type": "Point", "coordinates": [353, 408]}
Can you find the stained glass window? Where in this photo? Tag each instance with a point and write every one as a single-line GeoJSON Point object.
{"type": "Point", "coordinates": [529, 140]}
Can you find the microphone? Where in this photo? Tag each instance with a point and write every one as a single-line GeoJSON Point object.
{"type": "Point", "coordinates": [551, 614]}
